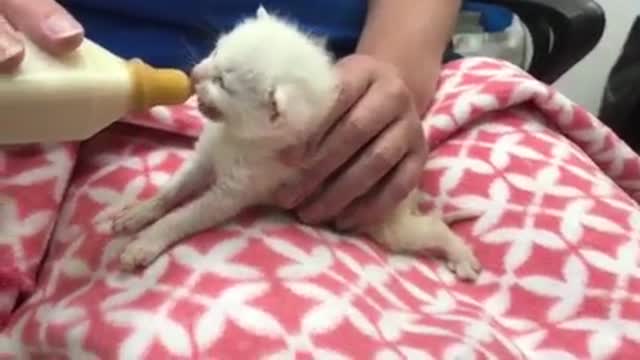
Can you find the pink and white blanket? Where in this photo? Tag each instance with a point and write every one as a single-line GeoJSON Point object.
{"type": "Point", "coordinates": [559, 238]}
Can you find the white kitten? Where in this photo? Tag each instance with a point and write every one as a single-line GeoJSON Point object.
{"type": "Point", "coordinates": [264, 87]}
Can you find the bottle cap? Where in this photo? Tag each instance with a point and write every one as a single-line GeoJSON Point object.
{"type": "Point", "coordinates": [153, 86]}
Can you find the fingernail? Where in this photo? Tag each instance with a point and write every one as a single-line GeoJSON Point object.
{"type": "Point", "coordinates": [62, 26]}
{"type": "Point", "coordinates": [9, 47]}
{"type": "Point", "coordinates": [292, 156]}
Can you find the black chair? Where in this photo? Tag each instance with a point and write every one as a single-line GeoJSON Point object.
{"type": "Point", "coordinates": [620, 104]}
{"type": "Point", "coordinates": [563, 32]}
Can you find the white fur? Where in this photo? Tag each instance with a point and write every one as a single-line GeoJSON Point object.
{"type": "Point", "coordinates": [265, 86]}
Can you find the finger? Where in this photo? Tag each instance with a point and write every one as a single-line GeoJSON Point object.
{"type": "Point", "coordinates": [372, 207]}
{"type": "Point", "coordinates": [358, 127]}
{"type": "Point", "coordinates": [354, 84]}
{"type": "Point", "coordinates": [369, 167]}
{"type": "Point", "coordinates": [45, 22]}
{"type": "Point", "coordinates": [11, 48]}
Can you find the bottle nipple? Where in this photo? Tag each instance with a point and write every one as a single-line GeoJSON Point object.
{"type": "Point", "coordinates": [152, 86]}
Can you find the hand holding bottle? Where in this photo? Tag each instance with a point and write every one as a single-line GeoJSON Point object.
{"type": "Point", "coordinates": [45, 22]}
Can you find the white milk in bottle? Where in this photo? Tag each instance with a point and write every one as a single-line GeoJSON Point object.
{"type": "Point", "coordinates": [50, 99]}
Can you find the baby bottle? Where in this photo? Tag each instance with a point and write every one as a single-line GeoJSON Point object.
{"type": "Point", "coordinates": [52, 99]}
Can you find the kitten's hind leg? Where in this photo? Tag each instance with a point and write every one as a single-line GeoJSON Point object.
{"type": "Point", "coordinates": [196, 174]}
{"type": "Point", "coordinates": [209, 209]}
{"type": "Point", "coordinates": [408, 231]}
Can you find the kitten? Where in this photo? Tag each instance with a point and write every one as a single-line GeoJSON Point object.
{"type": "Point", "coordinates": [265, 86]}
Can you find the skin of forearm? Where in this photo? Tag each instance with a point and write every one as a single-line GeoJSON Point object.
{"type": "Point", "coordinates": [413, 36]}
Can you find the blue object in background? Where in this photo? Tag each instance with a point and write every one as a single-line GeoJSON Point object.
{"type": "Point", "coordinates": [178, 33]}
{"type": "Point", "coordinates": [171, 33]}
{"type": "Point", "coordinates": [493, 18]}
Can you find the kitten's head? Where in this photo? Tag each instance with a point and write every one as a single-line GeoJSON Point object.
{"type": "Point", "coordinates": [266, 79]}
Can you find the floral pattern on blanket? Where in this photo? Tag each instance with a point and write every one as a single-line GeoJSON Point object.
{"type": "Point", "coordinates": [33, 180]}
{"type": "Point", "coordinates": [559, 237]}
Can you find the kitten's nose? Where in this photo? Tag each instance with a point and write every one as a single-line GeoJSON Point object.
{"type": "Point", "coordinates": [202, 70]}
{"type": "Point", "coordinates": [198, 73]}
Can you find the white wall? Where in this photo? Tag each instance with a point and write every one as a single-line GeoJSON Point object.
{"type": "Point", "coordinates": [585, 82]}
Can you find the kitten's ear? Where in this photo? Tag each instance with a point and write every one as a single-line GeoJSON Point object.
{"type": "Point", "coordinates": [278, 99]}
{"type": "Point", "coordinates": [287, 105]}
{"type": "Point", "coordinates": [262, 12]}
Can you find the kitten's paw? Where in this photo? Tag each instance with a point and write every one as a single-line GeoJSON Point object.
{"type": "Point", "coordinates": [465, 266]}
{"type": "Point", "coordinates": [139, 253]}
{"type": "Point", "coordinates": [134, 217]}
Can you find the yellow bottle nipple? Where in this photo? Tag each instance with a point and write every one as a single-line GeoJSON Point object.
{"type": "Point", "coordinates": [152, 86]}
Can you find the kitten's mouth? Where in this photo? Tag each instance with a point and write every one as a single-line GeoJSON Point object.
{"type": "Point", "coordinates": [210, 111]}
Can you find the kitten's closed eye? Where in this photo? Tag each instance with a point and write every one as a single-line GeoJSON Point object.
{"type": "Point", "coordinates": [219, 80]}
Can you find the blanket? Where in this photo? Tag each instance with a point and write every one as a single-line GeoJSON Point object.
{"type": "Point", "coordinates": [559, 239]}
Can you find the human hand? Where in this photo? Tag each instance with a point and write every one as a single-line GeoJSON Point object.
{"type": "Point", "coordinates": [369, 157]}
{"type": "Point", "coordinates": [44, 21]}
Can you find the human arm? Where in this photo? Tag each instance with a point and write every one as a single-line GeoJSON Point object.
{"type": "Point", "coordinates": [412, 35]}
{"type": "Point", "coordinates": [44, 21]}
{"type": "Point", "coordinates": [373, 154]}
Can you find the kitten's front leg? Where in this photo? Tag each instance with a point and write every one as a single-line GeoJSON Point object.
{"type": "Point", "coordinates": [209, 209]}
{"type": "Point", "coordinates": [192, 177]}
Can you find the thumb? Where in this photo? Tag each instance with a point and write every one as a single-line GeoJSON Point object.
{"type": "Point", "coordinates": [294, 155]}
{"type": "Point", "coordinates": [45, 22]}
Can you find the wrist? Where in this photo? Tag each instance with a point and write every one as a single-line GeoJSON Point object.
{"type": "Point", "coordinates": [419, 72]}
{"type": "Point", "coordinates": [416, 45]}
{"type": "Point", "coordinates": [422, 83]}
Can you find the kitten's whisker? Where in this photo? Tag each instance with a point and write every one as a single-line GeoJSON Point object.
{"type": "Point", "coordinates": [191, 54]}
